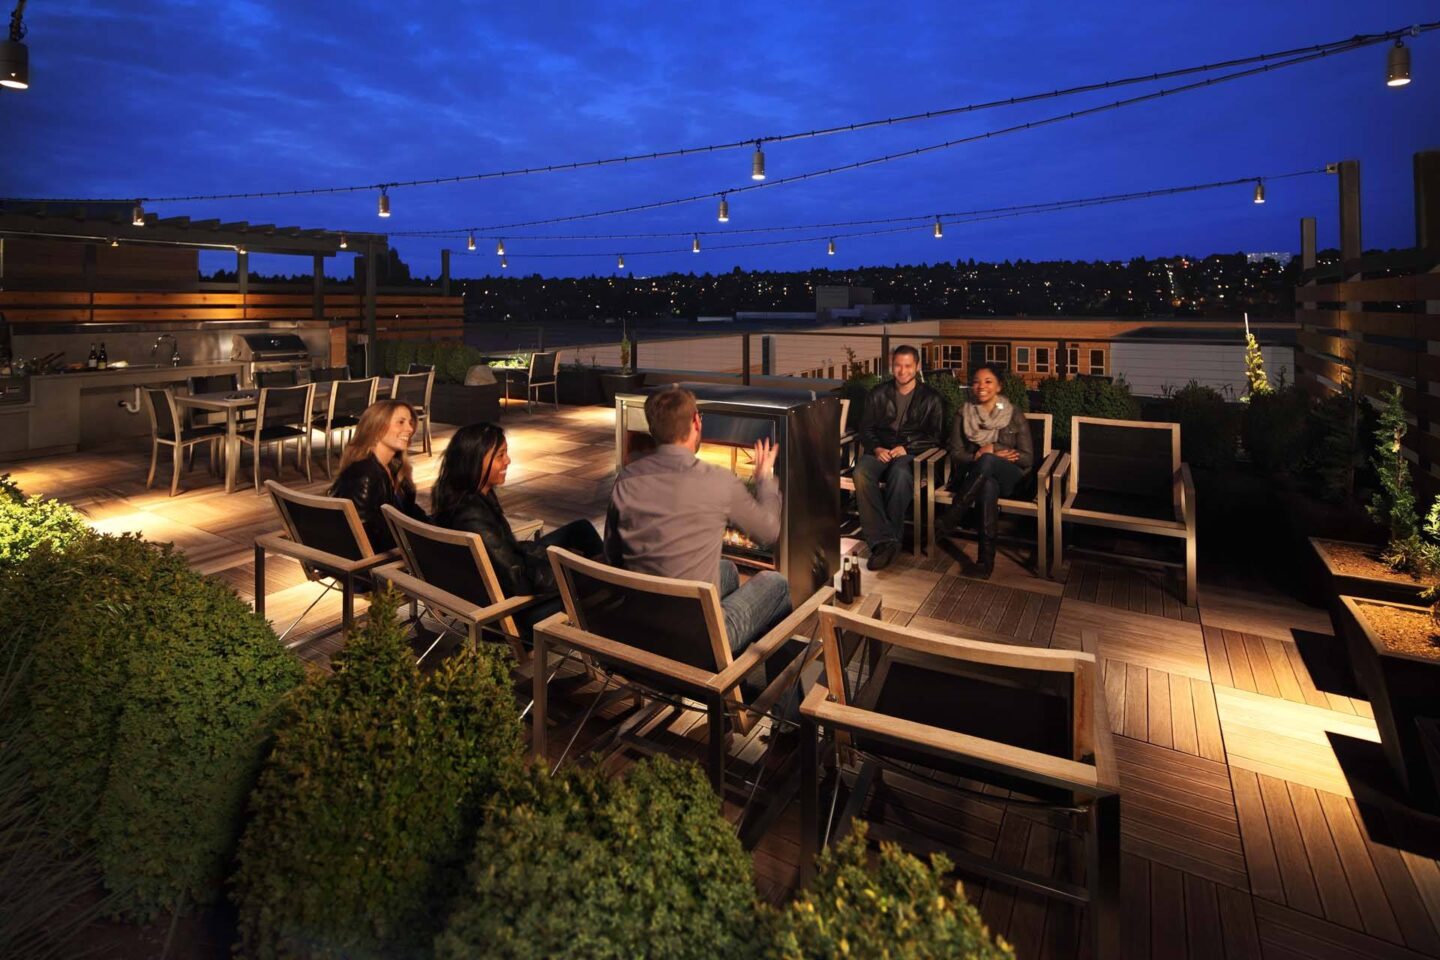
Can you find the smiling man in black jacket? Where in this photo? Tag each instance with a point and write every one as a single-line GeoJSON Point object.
{"type": "Point", "coordinates": [903, 418]}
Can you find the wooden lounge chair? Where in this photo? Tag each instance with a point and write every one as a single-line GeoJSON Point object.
{"type": "Point", "coordinates": [415, 389]}
{"type": "Point", "coordinates": [850, 454]}
{"type": "Point", "coordinates": [1033, 497]}
{"type": "Point", "coordinates": [1029, 720]}
{"type": "Point", "coordinates": [1126, 475]}
{"type": "Point", "coordinates": [666, 637]}
{"type": "Point", "coordinates": [449, 571]}
{"type": "Point", "coordinates": [326, 536]}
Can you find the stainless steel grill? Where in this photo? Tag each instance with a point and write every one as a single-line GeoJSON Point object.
{"type": "Point", "coordinates": [806, 428]}
{"type": "Point", "coordinates": [267, 352]}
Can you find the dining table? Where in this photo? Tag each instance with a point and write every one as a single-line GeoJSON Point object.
{"type": "Point", "coordinates": [233, 403]}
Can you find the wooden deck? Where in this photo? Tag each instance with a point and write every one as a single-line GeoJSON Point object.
{"type": "Point", "coordinates": [1243, 834]}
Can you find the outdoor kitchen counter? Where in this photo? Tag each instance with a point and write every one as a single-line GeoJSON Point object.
{"type": "Point", "coordinates": [72, 411]}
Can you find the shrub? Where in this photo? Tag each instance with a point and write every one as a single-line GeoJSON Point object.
{"type": "Point", "coordinates": [598, 868]}
{"type": "Point", "coordinates": [1333, 449]}
{"type": "Point", "coordinates": [1064, 399]}
{"type": "Point", "coordinates": [367, 807]}
{"type": "Point", "coordinates": [1274, 429]}
{"type": "Point", "coordinates": [902, 907]}
{"type": "Point", "coordinates": [1208, 427]}
{"type": "Point", "coordinates": [1015, 390]}
{"type": "Point", "coordinates": [953, 392]}
{"type": "Point", "coordinates": [149, 701]}
{"type": "Point", "coordinates": [28, 522]}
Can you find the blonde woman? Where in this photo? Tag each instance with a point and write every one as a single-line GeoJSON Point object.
{"type": "Point", "coordinates": [375, 468]}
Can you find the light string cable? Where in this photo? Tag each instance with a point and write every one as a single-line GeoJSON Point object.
{"type": "Point", "coordinates": [945, 217]}
{"type": "Point", "coordinates": [870, 162]}
{"type": "Point", "coordinates": [1289, 57]}
{"type": "Point", "coordinates": [973, 216]}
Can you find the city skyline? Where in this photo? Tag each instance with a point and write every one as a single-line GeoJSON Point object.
{"type": "Point", "coordinates": [272, 99]}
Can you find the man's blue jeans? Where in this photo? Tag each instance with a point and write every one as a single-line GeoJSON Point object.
{"type": "Point", "coordinates": [882, 512]}
{"type": "Point", "coordinates": [753, 609]}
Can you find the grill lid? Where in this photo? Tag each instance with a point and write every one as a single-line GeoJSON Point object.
{"type": "Point", "coordinates": [269, 346]}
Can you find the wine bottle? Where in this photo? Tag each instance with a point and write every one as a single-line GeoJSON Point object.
{"type": "Point", "coordinates": [855, 579]}
{"type": "Point", "coordinates": [843, 593]}
{"type": "Point", "coordinates": [92, 361]}
{"type": "Point", "coordinates": [104, 361]}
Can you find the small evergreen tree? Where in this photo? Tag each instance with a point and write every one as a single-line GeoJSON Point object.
{"type": "Point", "coordinates": [1255, 376]}
{"type": "Point", "coordinates": [1407, 550]}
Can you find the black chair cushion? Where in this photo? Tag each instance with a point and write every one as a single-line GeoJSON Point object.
{"type": "Point", "coordinates": [672, 627]}
{"type": "Point", "coordinates": [1125, 504]}
{"type": "Point", "coordinates": [451, 567]}
{"type": "Point", "coordinates": [278, 433]}
{"type": "Point", "coordinates": [1127, 460]}
{"type": "Point", "coordinates": [1030, 709]}
{"type": "Point", "coordinates": [199, 433]}
{"type": "Point", "coordinates": [324, 529]}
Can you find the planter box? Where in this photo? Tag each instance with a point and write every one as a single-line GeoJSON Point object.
{"type": "Point", "coordinates": [459, 405]}
{"type": "Point", "coordinates": [580, 387]}
{"type": "Point", "coordinates": [1380, 583]}
{"type": "Point", "coordinates": [1402, 688]}
{"type": "Point", "coordinates": [613, 383]}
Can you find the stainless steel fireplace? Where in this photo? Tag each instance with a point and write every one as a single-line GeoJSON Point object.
{"type": "Point", "coordinates": [806, 428]}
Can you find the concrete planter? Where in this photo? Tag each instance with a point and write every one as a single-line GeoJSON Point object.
{"type": "Point", "coordinates": [580, 387]}
{"type": "Point", "coordinates": [613, 383]}
{"type": "Point", "coordinates": [460, 405]}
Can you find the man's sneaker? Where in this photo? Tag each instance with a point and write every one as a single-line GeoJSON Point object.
{"type": "Point", "coordinates": [881, 556]}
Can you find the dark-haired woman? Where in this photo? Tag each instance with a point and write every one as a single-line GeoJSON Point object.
{"type": "Point", "coordinates": [375, 469]}
{"type": "Point", "coordinates": [990, 454]}
{"type": "Point", "coordinates": [475, 464]}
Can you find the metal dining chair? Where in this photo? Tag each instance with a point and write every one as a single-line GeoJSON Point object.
{"type": "Point", "coordinates": [348, 400]}
{"type": "Point", "coordinates": [414, 389]}
{"type": "Point", "coordinates": [283, 414]}
{"type": "Point", "coordinates": [543, 373]}
{"type": "Point", "coordinates": [168, 429]}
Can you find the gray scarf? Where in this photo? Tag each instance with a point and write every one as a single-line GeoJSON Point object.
{"type": "Point", "coordinates": [982, 428]}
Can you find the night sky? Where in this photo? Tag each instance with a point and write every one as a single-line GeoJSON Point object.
{"type": "Point", "coordinates": [155, 98]}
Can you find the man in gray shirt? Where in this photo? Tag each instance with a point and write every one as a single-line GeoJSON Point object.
{"type": "Point", "coordinates": [669, 510]}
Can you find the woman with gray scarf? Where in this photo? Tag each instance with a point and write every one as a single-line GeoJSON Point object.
{"type": "Point", "coordinates": [990, 454]}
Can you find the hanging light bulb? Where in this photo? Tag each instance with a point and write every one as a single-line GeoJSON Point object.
{"type": "Point", "coordinates": [757, 163]}
{"type": "Point", "coordinates": [137, 216]}
{"type": "Point", "coordinates": [1259, 191]}
{"type": "Point", "coordinates": [504, 263]}
{"type": "Point", "coordinates": [939, 230]}
{"type": "Point", "coordinates": [1397, 65]}
{"type": "Point", "coordinates": [384, 210]}
{"type": "Point", "coordinates": [344, 243]}
{"type": "Point", "coordinates": [724, 215]}
{"type": "Point", "coordinates": [500, 248]}
{"type": "Point", "coordinates": [114, 241]}
{"type": "Point", "coordinates": [620, 262]}
{"type": "Point", "coordinates": [831, 249]}
{"type": "Point", "coordinates": [471, 245]}
{"type": "Point", "coordinates": [14, 65]}
{"type": "Point", "coordinates": [240, 250]}
{"type": "Point", "coordinates": [695, 245]}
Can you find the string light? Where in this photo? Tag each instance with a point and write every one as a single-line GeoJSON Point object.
{"type": "Point", "coordinates": [939, 230]}
{"type": "Point", "coordinates": [241, 251]}
{"type": "Point", "coordinates": [1259, 191]}
{"type": "Point", "coordinates": [1397, 65]}
{"type": "Point", "coordinates": [1273, 60]}
{"type": "Point", "coordinates": [344, 243]}
{"type": "Point", "coordinates": [500, 248]}
{"type": "Point", "coordinates": [831, 249]}
{"type": "Point", "coordinates": [14, 55]}
{"type": "Point", "coordinates": [620, 262]}
{"type": "Point", "coordinates": [137, 216]}
{"type": "Point", "coordinates": [114, 241]}
{"type": "Point", "coordinates": [470, 245]}
{"type": "Point", "coordinates": [757, 163]}
{"type": "Point", "coordinates": [504, 263]}
{"type": "Point", "coordinates": [695, 244]}
{"type": "Point", "coordinates": [384, 203]}
{"type": "Point", "coordinates": [724, 215]}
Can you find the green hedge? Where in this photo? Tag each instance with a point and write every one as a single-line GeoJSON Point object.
{"type": "Point", "coordinates": [367, 808]}
{"type": "Point", "coordinates": [1083, 397]}
{"type": "Point", "coordinates": [599, 868]}
{"type": "Point", "coordinates": [1274, 429]}
{"type": "Point", "coordinates": [901, 907]}
{"type": "Point", "coordinates": [149, 703]}
{"type": "Point", "coordinates": [450, 358]}
{"type": "Point", "coordinates": [28, 522]}
{"type": "Point", "coordinates": [1209, 427]}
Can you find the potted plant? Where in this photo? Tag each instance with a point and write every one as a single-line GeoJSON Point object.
{"type": "Point", "coordinates": [579, 383]}
{"type": "Point", "coordinates": [1395, 571]}
{"type": "Point", "coordinates": [627, 380]}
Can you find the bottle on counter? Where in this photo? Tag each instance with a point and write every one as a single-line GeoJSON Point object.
{"type": "Point", "coordinates": [102, 362]}
{"type": "Point", "coordinates": [92, 361]}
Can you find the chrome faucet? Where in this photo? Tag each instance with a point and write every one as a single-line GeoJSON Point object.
{"type": "Point", "coordinates": [175, 348]}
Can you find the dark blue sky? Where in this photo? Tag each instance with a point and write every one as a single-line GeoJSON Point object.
{"type": "Point", "coordinates": [156, 98]}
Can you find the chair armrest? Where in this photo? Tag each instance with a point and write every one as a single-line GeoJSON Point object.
{"type": "Point", "coordinates": [1043, 475]}
{"type": "Point", "coordinates": [1060, 473]}
{"type": "Point", "coordinates": [764, 648]}
{"type": "Point", "coordinates": [456, 606]}
{"type": "Point", "coordinates": [1185, 491]}
{"type": "Point", "coordinates": [524, 528]}
{"type": "Point", "coordinates": [282, 544]}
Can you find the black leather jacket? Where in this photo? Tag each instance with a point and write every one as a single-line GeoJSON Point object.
{"type": "Point", "coordinates": [370, 486]}
{"type": "Point", "coordinates": [521, 567]}
{"type": "Point", "coordinates": [1015, 435]}
{"type": "Point", "coordinates": [923, 426]}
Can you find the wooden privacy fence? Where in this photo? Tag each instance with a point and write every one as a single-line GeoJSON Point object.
{"type": "Point", "coordinates": [417, 315]}
{"type": "Point", "coordinates": [1367, 336]}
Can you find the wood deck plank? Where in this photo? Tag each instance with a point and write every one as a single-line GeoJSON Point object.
{"type": "Point", "coordinates": [1295, 874]}
{"type": "Point", "coordinates": [1182, 715]}
{"type": "Point", "coordinates": [1330, 880]}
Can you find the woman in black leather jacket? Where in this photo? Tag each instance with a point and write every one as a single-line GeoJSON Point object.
{"type": "Point", "coordinates": [475, 464]}
{"type": "Point", "coordinates": [990, 454]}
{"type": "Point", "coordinates": [375, 469]}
